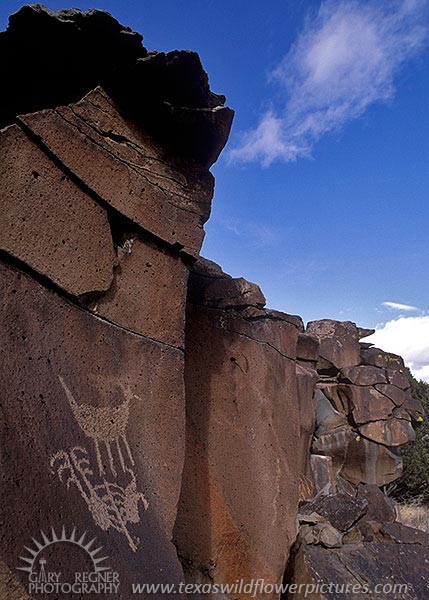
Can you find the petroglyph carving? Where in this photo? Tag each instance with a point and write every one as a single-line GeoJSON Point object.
{"type": "Point", "coordinates": [104, 424]}
{"type": "Point", "coordinates": [112, 505]}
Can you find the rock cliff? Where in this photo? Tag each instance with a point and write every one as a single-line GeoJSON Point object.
{"type": "Point", "coordinates": [149, 399]}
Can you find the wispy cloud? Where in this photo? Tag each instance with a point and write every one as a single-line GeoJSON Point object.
{"type": "Point", "coordinates": [259, 235]}
{"type": "Point", "coordinates": [400, 307]}
{"type": "Point", "coordinates": [409, 337]}
{"type": "Point", "coordinates": [345, 59]}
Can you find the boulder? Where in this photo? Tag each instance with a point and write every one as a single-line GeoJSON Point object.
{"type": "Point", "coordinates": [392, 392]}
{"type": "Point", "coordinates": [367, 404]}
{"type": "Point", "coordinates": [329, 537]}
{"type": "Point", "coordinates": [170, 199]}
{"type": "Point", "coordinates": [322, 534]}
{"type": "Point", "coordinates": [364, 332]}
{"type": "Point", "coordinates": [383, 360]}
{"type": "Point", "coordinates": [308, 347]}
{"type": "Point", "coordinates": [336, 394]}
{"type": "Point", "coordinates": [335, 444]}
{"type": "Point", "coordinates": [398, 533]}
{"type": "Point", "coordinates": [340, 510]}
{"type": "Point", "coordinates": [363, 375]}
{"type": "Point", "coordinates": [210, 286]}
{"type": "Point", "coordinates": [310, 519]}
{"type": "Point", "coordinates": [370, 462]}
{"type": "Point", "coordinates": [393, 432]}
{"type": "Point", "coordinates": [398, 378]}
{"type": "Point", "coordinates": [323, 473]}
{"type": "Point", "coordinates": [380, 507]}
{"type": "Point", "coordinates": [357, 459]}
{"type": "Point", "coordinates": [356, 570]}
{"type": "Point", "coordinates": [338, 343]}
{"type": "Point", "coordinates": [354, 536]}
{"type": "Point", "coordinates": [345, 487]}
{"type": "Point", "coordinates": [413, 408]}
{"type": "Point", "coordinates": [327, 418]}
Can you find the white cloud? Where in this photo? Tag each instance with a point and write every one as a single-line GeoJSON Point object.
{"type": "Point", "coordinates": [345, 59]}
{"type": "Point", "coordinates": [265, 143]}
{"type": "Point", "coordinates": [256, 234]}
{"type": "Point", "coordinates": [409, 337]}
{"type": "Point", "coordinates": [401, 307]}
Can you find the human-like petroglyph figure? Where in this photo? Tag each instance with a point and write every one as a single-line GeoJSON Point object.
{"type": "Point", "coordinates": [104, 424]}
{"type": "Point", "coordinates": [111, 505]}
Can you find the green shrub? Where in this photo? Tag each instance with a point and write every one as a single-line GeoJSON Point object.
{"type": "Point", "coordinates": [414, 484]}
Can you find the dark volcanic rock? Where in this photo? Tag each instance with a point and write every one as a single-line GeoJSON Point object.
{"type": "Point", "coordinates": [240, 485]}
{"type": "Point", "coordinates": [394, 393]}
{"type": "Point", "coordinates": [148, 279]}
{"type": "Point", "coordinates": [105, 192]}
{"type": "Point", "coordinates": [327, 417]}
{"type": "Point", "coordinates": [341, 510]}
{"type": "Point", "coordinates": [167, 198]}
{"type": "Point", "coordinates": [413, 408]}
{"type": "Point", "coordinates": [378, 358]}
{"type": "Point", "coordinates": [339, 343]}
{"type": "Point", "coordinates": [323, 534]}
{"type": "Point", "coordinates": [393, 432]}
{"type": "Point", "coordinates": [359, 567]}
{"type": "Point", "coordinates": [334, 443]}
{"type": "Point", "coordinates": [398, 378]}
{"type": "Point", "coordinates": [308, 347]}
{"type": "Point", "coordinates": [363, 375]}
{"type": "Point", "coordinates": [49, 223]}
{"type": "Point", "coordinates": [210, 286]}
{"type": "Point", "coordinates": [401, 534]}
{"type": "Point", "coordinates": [368, 405]}
{"type": "Point", "coordinates": [323, 473]}
{"type": "Point", "coordinates": [306, 378]}
{"type": "Point", "coordinates": [92, 419]}
{"type": "Point", "coordinates": [370, 462]}
{"type": "Point", "coordinates": [380, 507]}
{"type": "Point", "coordinates": [73, 52]}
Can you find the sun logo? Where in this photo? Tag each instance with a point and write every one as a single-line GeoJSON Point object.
{"type": "Point", "coordinates": [39, 546]}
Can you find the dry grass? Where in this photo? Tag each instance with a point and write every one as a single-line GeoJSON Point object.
{"type": "Point", "coordinates": [414, 515]}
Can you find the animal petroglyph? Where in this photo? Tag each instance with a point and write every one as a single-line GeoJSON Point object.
{"type": "Point", "coordinates": [111, 503]}
{"type": "Point", "coordinates": [104, 425]}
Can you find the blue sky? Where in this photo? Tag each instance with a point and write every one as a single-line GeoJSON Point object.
{"type": "Point", "coordinates": [322, 192]}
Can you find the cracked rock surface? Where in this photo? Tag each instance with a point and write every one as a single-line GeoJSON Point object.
{"type": "Point", "coordinates": [147, 396]}
{"type": "Point", "coordinates": [73, 52]}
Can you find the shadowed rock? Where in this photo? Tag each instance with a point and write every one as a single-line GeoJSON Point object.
{"type": "Point", "coordinates": [356, 569]}
{"type": "Point", "coordinates": [342, 511]}
{"type": "Point", "coordinates": [72, 52]}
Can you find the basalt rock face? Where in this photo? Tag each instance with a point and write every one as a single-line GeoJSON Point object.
{"type": "Point", "coordinates": [149, 398]}
{"type": "Point", "coordinates": [348, 541]}
{"type": "Point", "coordinates": [365, 410]}
{"type": "Point", "coordinates": [101, 216]}
{"type": "Point", "coordinates": [240, 487]}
